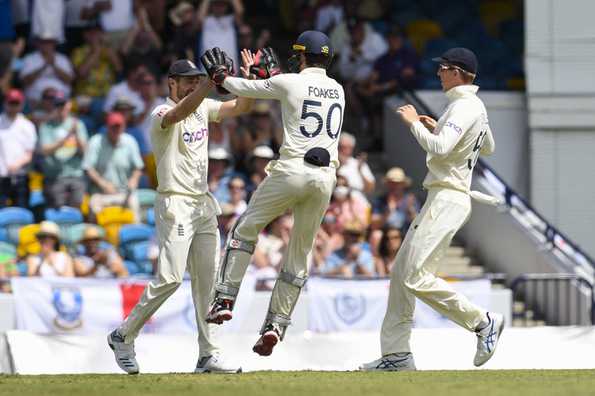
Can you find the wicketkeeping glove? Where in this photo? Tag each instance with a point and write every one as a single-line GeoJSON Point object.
{"type": "Point", "coordinates": [266, 64]}
{"type": "Point", "coordinates": [218, 65]}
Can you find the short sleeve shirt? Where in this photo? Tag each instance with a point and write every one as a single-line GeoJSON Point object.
{"type": "Point", "coordinates": [17, 137]}
{"type": "Point", "coordinates": [181, 150]}
{"type": "Point", "coordinates": [67, 160]}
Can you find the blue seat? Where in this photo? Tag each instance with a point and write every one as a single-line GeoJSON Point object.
{"type": "Point", "coordinates": [151, 217]}
{"type": "Point", "coordinates": [11, 220]}
{"type": "Point", "coordinates": [139, 253]}
{"type": "Point", "coordinates": [131, 234]}
{"type": "Point", "coordinates": [22, 268]}
{"type": "Point", "coordinates": [131, 267]}
{"type": "Point", "coordinates": [64, 215]}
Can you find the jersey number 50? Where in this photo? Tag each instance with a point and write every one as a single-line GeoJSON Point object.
{"type": "Point", "coordinates": [316, 115]}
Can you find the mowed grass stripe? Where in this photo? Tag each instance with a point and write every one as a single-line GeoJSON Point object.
{"type": "Point", "coordinates": [434, 383]}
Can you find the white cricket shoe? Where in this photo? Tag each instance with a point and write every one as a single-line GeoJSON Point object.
{"type": "Point", "coordinates": [215, 364]}
{"type": "Point", "coordinates": [488, 337]}
{"type": "Point", "coordinates": [124, 353]}
{"type": "Point", "coordinates": [391, 362]}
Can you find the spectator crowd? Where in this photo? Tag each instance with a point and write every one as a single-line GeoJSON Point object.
{"type": "Point", "coordinates": [79, 79]}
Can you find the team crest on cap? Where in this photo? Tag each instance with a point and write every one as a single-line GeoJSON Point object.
{"type": "Point", "coordinates": [324, 49]}
{"type": "Point", "coordinates": [191, 64]}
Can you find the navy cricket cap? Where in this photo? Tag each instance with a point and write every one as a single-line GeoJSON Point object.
{"type": "Point", "coordinates": [184, 68]}
{"type": "Point", "coordinates": [313, 42]}
{"type": "Point", "coordinates": [461, 57]}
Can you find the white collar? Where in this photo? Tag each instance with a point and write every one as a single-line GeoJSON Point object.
{"type": "Point", "coordinates": [461, 91]}
{"type": "Point", "coordinates": [313, 70]}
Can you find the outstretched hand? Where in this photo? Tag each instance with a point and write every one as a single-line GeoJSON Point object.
{"type": "Point", "coordinates": [247, 62]}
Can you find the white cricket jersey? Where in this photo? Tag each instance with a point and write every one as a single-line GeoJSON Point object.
{"type": "Point", "coordinates": [312, 106]}
{"type": "Point", "coordinates": [181, 150]}
{"type": "Point", "coordinates": [462, 133]}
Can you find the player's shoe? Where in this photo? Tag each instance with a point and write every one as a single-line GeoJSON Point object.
{"type": "Point", "coordinates": [488, 337]}
{"type": "Point", "coordinates": [220, 311]}
{"type": "Point", "coordinates": [124, 353]}
{"type": "Point", "coordinates": [271, 336]}
{"type": "Point", "coordinates": [391, 362]}
{"type": "Point", "coordinates": [215, 364]}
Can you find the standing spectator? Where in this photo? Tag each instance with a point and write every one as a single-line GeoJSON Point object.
{"type": "Point", "coordinates": [45, 68]}
{"type": "Point", "coordinates": [141, 40]}
{"type": "Point", "coordinates": [114, 167]}
{"type": "Point", "coordinates": [183, 43]}
{"type": "Point", "coordinates": [17, 142]}
{"type": "Point", "coordinates": [352, 259]}
{"type": "Point", "coordinates": [355, 170]}
{"type": "Point", "coordinates": [76, 24]}
{"type": "Point", "coordinates": [262, 129]}
{"type": "Point", "coordinates": [390, 242]}
{"type": "Point", "coordinates": [96, 65]}
{"type": "Point", "coordinates": [328, 239]}
{"type": "Point", "coordinates": [225, 221]}
{"type": "Point", "coordinates": [259, 159]}
{"type": "Point", "coordinates": [218, 26]}
{"type": "Point", "coordinates": [7, 36]}
{"type": "Point", "coordinates": [50, 261]}
{"type": "Point", "coordinates": [329, 16]}
{"type": "Point", "coordinates": [21, 17]}
{"type": "Point", "coordinates": [397, 207]}
{"type": "Point", "coordinates": [246, 38]}
{"type": "Point", "coordinates": [128, 88]}
{"type": "Point", "coordinates": [116, 18]}
{"type": "Point", "coordinates": [98, 259]}
{"type": "Point", "coordinates": [48, 19]}
{"type": "Point", "coordinates": [62, 144]}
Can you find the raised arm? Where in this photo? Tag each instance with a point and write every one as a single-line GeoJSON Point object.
{"type": "Point", "coordinates": [187, 105]}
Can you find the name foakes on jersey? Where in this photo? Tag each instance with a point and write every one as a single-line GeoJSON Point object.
{"type": "Point", "coordinates": [326, 93]}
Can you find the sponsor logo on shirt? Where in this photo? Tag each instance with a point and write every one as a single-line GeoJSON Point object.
{"type": "Point", "coordinates": [454, 126]}
{"type": "Point", "coordinates": [196, 136]}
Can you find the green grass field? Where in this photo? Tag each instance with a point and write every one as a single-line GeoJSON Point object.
{"type": "Point", "coordinates": [434, 383]}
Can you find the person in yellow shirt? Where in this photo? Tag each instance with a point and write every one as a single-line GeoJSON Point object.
{"type": "Point", "coordinates": [96, 64]}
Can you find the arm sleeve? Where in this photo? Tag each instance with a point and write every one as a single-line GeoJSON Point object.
{"type": "Point", "coordinates": [446, 138]}
{"type": "Point", "coordinates": [213, 107]}
{"type": "Point", "coordinates": [489, 145]}
{"type": "Point", "coordinates": [258, 89]}
{"type": "Point", "coordinates": [90, 159]}
{"type": "Point", "coordinates": [157, 117]}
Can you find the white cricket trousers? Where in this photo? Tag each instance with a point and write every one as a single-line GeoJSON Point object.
{"type": "Point", "coordinates": [188, 238]}
{"type": "Point", "coordinates": [416, 264]}
{"type": "Point", "coordinates": [291, 184]}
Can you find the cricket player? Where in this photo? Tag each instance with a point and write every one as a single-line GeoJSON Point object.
{"type": "Point", "coordinates": [302, 179]}
{"type": "Point", "coordinates": [453, 144]}
{"type": "Point", "coordinates": [185, 212]}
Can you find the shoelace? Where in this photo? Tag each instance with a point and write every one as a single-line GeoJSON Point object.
{"type": "Point", "coordinates": [389, 363]}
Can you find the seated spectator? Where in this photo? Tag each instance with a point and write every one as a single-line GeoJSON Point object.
{"type": "Point", "coordinates": [355, 170]}
{"type": "Point", "coordinates": [259, 159]}
{"type": "Point", "coordinates": [125, 106]}
{"type": "Point", "coordinates": [358, 56]}
{"type": "Point", "coordinates": [114, 167]}
{"type": "Point", "coordinates": [50, 261]}
{"type": "Point", "coordinates": [116, 18]}
{"type": "Point", "coordinates": [149, 94]}
{"type": "Point", "coordinates": [393, 71]}
{"type": "Point", "coordinates": [98, 259]}
{"type": "Point", "coordinates": [329, 15]}
{"type": "Point", "coordinates": [43, 110]}
{"type": "Point", "coordinates": [96, 64]}
{"type": "Point", "coordinates": [226, 220]}
{"type": "Point", "coordinates": [390, 243]}
{"type": "Point", "coordinates": [62, 144]}
{"type": "Point", "coordinates": [220, 173]}
{"type": "Point", "coordinates": [129, 88]}
{"type": "Point", "coordinates": [348, 205]}
{"type": "Point", "coordinates": [353, 258]}
{"type": "Point", "coordinates": [328, 239]}
{"type": "Point", "coordinates": [45, 68]}
{"type": "Point", "coordinates": [269, 251]}
{"type": "Point", "coordinates": [237, 194]}
{"type": "Point", "coordinates": [397, 207]}
{"type": "Point", "coordinates": [17, 143]}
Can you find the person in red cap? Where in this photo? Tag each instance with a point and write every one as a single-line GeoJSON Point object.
{"type": "Point", "coordinates": [114, 166]}
{"type": "Point", "coordinates": [17, 142]}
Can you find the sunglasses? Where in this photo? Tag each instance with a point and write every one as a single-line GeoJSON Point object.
{"type": "Point", "coordinates": [443, 67]}
{"type": "Point", "coordinates": [236, 187]}
{"type": "Point", "coordinates": [13, 103]}
{"type": "Point", "coordinates": [394, 236]}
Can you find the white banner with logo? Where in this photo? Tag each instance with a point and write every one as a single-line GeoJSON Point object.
{"type": "Point", "coordinates": [360, 305]}
{"type": "Point", "coordinates": [90, 306]}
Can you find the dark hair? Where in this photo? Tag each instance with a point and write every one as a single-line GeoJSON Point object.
{"type": "Point", "coordinates": [383, 246]}
{"type": "Point", "coordinates": [317, 60]}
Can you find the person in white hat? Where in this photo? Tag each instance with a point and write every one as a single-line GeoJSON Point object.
{"type": "Point", "coordinates": [97, 260]}
{"type": "Point", "coordinates": [397, 206]}
{"type": "Point", "coordinates": [259, 159]}
{"type": "Point", "coordinates": [50, 261]}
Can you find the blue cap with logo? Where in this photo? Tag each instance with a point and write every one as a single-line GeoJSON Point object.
{"type": "Point", "coordinates": [313, 42]}
{"type": "Point", "coordinates": [461, 57]}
